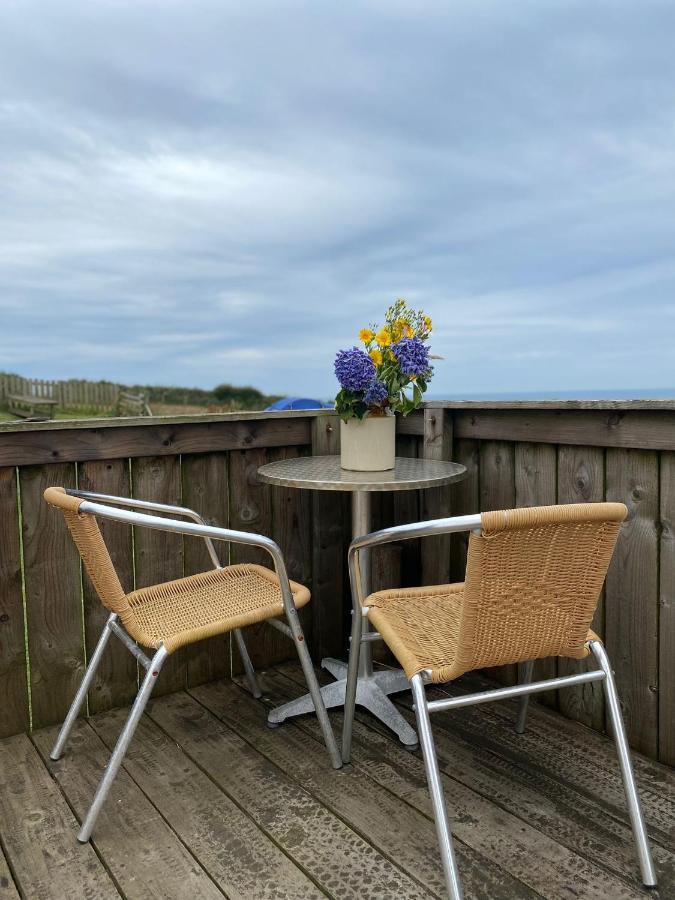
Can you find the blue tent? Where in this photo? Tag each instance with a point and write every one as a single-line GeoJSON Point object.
{"type": "Point", "coordinates": [298, 403]}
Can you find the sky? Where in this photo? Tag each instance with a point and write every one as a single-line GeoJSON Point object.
{"type": "Point", "coordinates": [211, 191]}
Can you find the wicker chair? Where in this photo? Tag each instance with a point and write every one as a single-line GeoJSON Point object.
{"type": "Point", "coordinates": [533, 578]}
{"type": "Point", "coordinates": [172, 615]}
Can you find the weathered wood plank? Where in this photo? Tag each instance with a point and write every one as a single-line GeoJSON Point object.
{"type": "Point", "coordinates": [630, 429]}
{"type": "Point", "coordinates": [38, 832]}
{"type": "Point", "coordinates": [631, 604]}
{"type": "Point", "coordinates": [535, 471]}
{"type": "Point", "coordinates": [8, 890]}
{"type": "Point", "coordinates": [238, 856]}
{"type": "Point", "coordinates": [581, 479]}
{"type": "Point", "coordinates": [335, 857]}
{"type": "Point", "coordinates": [116, 681]}
{"type": "Point", "coordinates": [356, 797]}
{"type": "Point", "coordinates": [206, 490]}
{"type": "Point", "coordinates": [465, 500]}
{"type": "Point", "coordinates": [292, 530]}
{"type": "Point", "coordinates": [667, 612]}
{"type": "Point", "coordinates": [141, 852]}
{"type": "Point", "coordinates": [13, 678]}
{"type": "Point", "coordinates": [159, 554]}
{"type": "Point", "coordinates": [540, 862]}
{"type": "Point", "coordinates": [578, 758]}
{"type": "Point", "coordinates": [33, 447]}
{"type": "Point", "coordinates": [53, 596]}
{"type": "Point", "coordinates": [435, 502]}
{"type": "Point", "coordinates": [497, 479]}
{"type": "Point", "coordinates": [406, 507]}
{"type": "Point", "coordinates": [330, 589]}
{"type": "Point", "coordinates": [251, 510]}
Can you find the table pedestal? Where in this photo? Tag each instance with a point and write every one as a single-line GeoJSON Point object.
{"type": "Point", "coordinates": [373, 687]}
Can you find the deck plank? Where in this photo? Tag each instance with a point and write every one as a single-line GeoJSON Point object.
{"type": "Point", "coordinates": [8, 890]}
{"type": "Point", "coordinates": [573, 819]}
{"type": "Point", "coordinates": [242, 860]}
{"type": "Point", "coordinates": [575, 756]}
{"type": "Point", "coordinates": [142, 853]}
{"type": "Point", "coordinates": [335, 857]}
{"type": "Point", "coordinates": [520, 847]}
{"type": "Point", "coordinates": [38, 831]}
{"type": "Point", "coordinates": [356, 798]}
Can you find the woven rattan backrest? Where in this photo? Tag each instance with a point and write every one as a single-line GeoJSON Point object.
{"type": "Point", "coordinates": [533, 579]}
{"type": "Point", "coordinates": [89, 540]}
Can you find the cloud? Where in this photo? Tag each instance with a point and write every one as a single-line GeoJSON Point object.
{"type": "Point", "coordinates": [217, 191]}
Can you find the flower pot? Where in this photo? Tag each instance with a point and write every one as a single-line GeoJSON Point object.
{"type": "Point", "coordinates": [368, 445]}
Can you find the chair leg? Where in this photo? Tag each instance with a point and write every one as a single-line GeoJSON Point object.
{"type": "Point", "coordinates": [83, 690]}
{"type": "Point", "coordinates": [248, 665]}
{"type": "Point", "coordinates": [526, 678]}
{"type": "Point", "coordinates": [436, 790]}
{"type": "Point", "coordinates": [623, 752]}
{"type": "Point", "coordinates": [352, 682]}
{"type": "Point", "coordinates": [315, 692]}
{"type": "Point", "coordinates": [122, 744]}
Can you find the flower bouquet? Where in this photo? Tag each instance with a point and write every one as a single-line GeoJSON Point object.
{"type": "Point", "coordinates": [389, 375]}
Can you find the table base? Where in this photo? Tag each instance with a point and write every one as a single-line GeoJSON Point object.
{"type": "Point", "coordinates": [372, 693]}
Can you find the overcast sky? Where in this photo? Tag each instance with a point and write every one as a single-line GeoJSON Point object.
{"type": "Point", "coordinates": [196, 192]}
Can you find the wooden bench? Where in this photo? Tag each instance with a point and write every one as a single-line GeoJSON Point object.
{"type": "Point", "coordinates": [35, 408]}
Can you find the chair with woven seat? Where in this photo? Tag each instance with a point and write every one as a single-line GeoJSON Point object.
{"type": "Point", "coordinates": [532, 583]}
{"type": "Point", "coordinates": [165, 617]}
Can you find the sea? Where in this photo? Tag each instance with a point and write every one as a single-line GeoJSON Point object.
{"type": "Point", "coordinates": [601, 394]}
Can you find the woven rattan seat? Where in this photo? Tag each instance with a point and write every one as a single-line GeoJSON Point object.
{"type": "Point", "coordinates": [533, 579]}
{"type": "Point", "coordinates": [421, 626]}
{"type": "Point", "coordinates": [189, 609]}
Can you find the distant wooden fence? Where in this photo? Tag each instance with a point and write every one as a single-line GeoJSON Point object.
{"type": "Point", "coordinates": [515, 455]}
{"type": "Point", "coordinates": [101, 395]}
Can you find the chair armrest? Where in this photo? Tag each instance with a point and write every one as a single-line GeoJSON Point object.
{"type": "Point", "coordinates": [208, 532]}
{"type": "Point", "coordinates": [151, 505]}
{"type": "Point", "coordinates": [401, 533]}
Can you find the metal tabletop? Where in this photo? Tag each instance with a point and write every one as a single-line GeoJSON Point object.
{"type": "Point", "coordinates": [323, 473]}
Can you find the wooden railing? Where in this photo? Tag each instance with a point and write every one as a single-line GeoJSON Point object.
{"type": "Point", "coordinates": [516, 455]}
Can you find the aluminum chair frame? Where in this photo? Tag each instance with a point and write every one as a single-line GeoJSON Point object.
{"type": "Point", "coordinates": [95, 504]}
{"type": "Point", "coordinates": [423, 707]}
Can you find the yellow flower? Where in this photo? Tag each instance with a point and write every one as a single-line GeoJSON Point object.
{"type": "Point", "coordinates": [383, 337]}
{"type": "Point", "coordinates": [407, 330]}
{"type": "Point", "coordinates": [366, 335]}
{"type": "Point", "coordinates": [427, 323]}
{"type": "Point", "coordinates": [376, 356]}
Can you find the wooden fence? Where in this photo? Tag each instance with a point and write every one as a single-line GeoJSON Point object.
{"type": "Point", "coordinates": [516, 455]}
{"type": "Point", "coordinates": [71, 394]}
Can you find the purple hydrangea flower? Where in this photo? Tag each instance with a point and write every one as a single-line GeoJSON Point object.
{"type": "Point", "coordinates": [376, 394]}
{"type": "Point", "coordinates": [354, 369]}
{"type": "Point", "coordinates": [412, 355]}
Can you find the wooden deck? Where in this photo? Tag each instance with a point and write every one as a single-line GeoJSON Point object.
{"type": "Point", "coordinates": [211, 803]}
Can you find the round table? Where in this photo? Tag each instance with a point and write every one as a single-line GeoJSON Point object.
{"type": "Point", "coordinates": [323, 473]}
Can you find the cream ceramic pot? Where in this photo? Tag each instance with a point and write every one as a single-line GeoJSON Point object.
{"type": "Point", "coordinates": [368, 445]}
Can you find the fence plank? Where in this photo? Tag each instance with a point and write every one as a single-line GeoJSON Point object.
{"type": "Point", "coordinates": [631, 605]}
{"type": "Point", "coordinates": [159, 554]}
{"type": "Point", "coordinates": [53, 596]}
{"type": "Point", "coordinates": [535, 476]}
{"type": "Point", "coordinates": [465, 500]}
{"type": "Point", "coordinates": [329, 586]}
{"type": "Point", "coordinates": [435, 503]}
{"type": "Point", "coordinates": [251, 510]}
{"type": "Point", "coordinates": [14, 705]}
{"type": "Point", "coordinates": [292, 530]}
{"type": "Point", "coordinates": [30, 446]}
{"type": "Point", "coordinates": [498, 491]}
{"type": "Point", "coordinates": [638, 428]}
{"type": "Point", "coordinates": [581, 479]}
{"type": "Point", "coordinates": [205, 489]}
{"type": "Point", "coordinates": [667, 612]}
{"type": "Point", "coordinates": [115, 683]}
